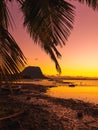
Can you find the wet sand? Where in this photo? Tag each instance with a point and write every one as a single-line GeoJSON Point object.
{"type": "Point", "coordinates": [48, 113]}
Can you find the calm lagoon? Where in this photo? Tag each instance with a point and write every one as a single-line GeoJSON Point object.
{"type": "Point", "coordinates": [86, 90]}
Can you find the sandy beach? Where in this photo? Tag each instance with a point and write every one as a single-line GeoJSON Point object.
{"type": "Point", "coordinates": [42, 112]}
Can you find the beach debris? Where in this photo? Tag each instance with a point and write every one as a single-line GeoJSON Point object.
{"type": "Point", "coordinates": [28, 98]}
{"type": "Point", "coordinates": [80, 115]}
{"type": "Point", "coordinates": [7, 89]}
{"type": "Point", "coordinates": [72, 85]}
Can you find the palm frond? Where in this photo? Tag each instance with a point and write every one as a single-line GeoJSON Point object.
{"type": "Point", "coordinates": [12, 58]}
{"type": "Point", "coordinates": [20, 1]}
{"type": "Point", "coordinates": [4, 14]}
{"type": "Point", "coordinates": [49, 50]}
{"type": "Point", "coordinates": [49, 23]}
{"type": "Point", "coordinates": [90, 3]}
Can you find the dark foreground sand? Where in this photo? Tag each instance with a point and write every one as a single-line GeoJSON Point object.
{"type": "Point", "coordinates": [41, 112]}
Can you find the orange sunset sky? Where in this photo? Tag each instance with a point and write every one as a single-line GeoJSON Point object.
{"type": "Point", "coordinates": [79, 56]}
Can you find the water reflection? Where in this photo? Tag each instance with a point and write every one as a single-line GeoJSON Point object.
{"type": "Point", "coordinates": [86, 90]}
{"type": "Point", "coordinates": [87, 93]}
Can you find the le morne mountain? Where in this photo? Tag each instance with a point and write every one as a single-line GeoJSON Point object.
{"type": "Point", "coordinates": [32, 72]}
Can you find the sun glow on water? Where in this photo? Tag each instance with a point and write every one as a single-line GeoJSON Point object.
{"type": "Point", "coordinates": [88, 94]}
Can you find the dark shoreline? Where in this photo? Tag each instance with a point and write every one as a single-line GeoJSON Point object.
{"type": "Point", "coordinates": [43, 112]}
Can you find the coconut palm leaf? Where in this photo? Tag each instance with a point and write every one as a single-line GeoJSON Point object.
{"type": "Point", "coordinates": [49, 23]}
{"type": "Point", "coordinates": [3, 14]}
{"type": "Point", "coordinates": [5, 17]}
{"type": "Point", "coordinates": [91, 3]}
{"type": "Point", "coordinates": [12, 58]}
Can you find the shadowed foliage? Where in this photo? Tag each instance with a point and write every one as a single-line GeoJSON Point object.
{"type": "Point", "coordinates": [49, 23]}
{"type": "Point", "coordinates": [11, 56]}
{"type": "Point", "coordinates": [12, 59]}
{"type": "Point", "coordinates": [90, 3]}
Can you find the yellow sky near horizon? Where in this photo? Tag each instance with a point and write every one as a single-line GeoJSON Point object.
{"type": "Point", "coordinates": [79, 56]}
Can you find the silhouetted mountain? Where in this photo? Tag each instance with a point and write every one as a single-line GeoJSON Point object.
{"type": "Point", "coordinates": [32, 72]}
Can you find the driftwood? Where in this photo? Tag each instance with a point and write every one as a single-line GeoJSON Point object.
{"type": "Point", "coordinates": [11, 122]}
{"type": "Point", "coordinates": [12, 116]}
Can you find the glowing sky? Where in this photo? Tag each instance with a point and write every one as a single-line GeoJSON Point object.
{"type": "Point", "coordinates": [79, 56]}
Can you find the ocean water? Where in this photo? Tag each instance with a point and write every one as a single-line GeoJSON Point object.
{"type": "Point", "coordinates": [86, 90]}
